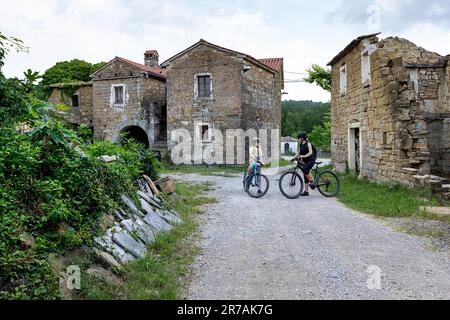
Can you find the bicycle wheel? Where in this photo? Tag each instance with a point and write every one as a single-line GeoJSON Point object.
{"type": "Point", "coordinates": [257, 186]}
{"type": "Point", "coordinates": [244, 181]}
{"type": "Point", "coordinates": [328, 184]}
{"type": "Point", "coordinates": [291, 185]}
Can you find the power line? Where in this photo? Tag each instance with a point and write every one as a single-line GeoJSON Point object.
{"type": "Point", "coordinates": [300, 73]}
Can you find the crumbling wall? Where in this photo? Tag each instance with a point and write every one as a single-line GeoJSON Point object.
{"type": "Point", "coordinates": [402, 112]}
{"type": "Point", "coordinates": [75, 115]}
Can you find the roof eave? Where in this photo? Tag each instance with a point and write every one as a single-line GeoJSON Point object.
{"type": "Point", "coordinates": [350, 46]}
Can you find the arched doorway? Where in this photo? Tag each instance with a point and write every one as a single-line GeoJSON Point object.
{"type": "Point", "coordinates": [136, 133]}
{"type": "Point", "coordinates": [286, 149]}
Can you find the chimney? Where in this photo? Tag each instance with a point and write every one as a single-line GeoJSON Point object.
{"type": "Point", "coordinates": [151, 58]}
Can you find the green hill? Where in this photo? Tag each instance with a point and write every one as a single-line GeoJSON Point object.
{"type": "Point", "coordinates": [302, 116]}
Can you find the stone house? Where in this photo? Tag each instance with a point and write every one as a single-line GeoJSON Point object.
{"type": "Point", "coordinates": [78, 98]}
{"type": "Point", "coordinates": [213, 88]}
{"type": "Point", "coordinates": [390, 112]}
{"type": "Point", "coordinates": [130, 98]}
{"type": "Point", "coordinates": [289, 145]}
{"type": "Point", "coordinates": [124, 97]}
{"type": "Point", "coordinates": [202, 88]}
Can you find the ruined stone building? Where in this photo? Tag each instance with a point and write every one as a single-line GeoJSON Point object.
{"type": "Point", "coordinates": [391, 112]}
{"type": "Point", "coordinates": [202, 88]}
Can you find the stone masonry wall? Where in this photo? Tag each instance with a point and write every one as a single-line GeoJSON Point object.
{"type": "Point", "coordinates": [222, 111]}
{"type": "Point", "coordinates": [392, 110]}
{"type": "Point", "coordinates": [237, 100]}
{"type": "Point", "coordinates": [76, 115]}
{"type": "Point", "coordinates": [402, 113]}
{"type": "Point", "coordinates": [143, 97]}
{"type": "Point", "coordinates": [261, 101]}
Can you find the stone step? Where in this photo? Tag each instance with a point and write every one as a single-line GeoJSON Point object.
{"type": "Point", "coordinates": [440, 211]}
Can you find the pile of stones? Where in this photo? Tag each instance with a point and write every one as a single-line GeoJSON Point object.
{"type": "Point", "coordinates": [134, 229]}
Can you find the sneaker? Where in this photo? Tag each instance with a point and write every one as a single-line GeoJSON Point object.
{"type": "Point", "coordinates": [304, 194]}
{"type": "Point", "coordinates": [313, 185]}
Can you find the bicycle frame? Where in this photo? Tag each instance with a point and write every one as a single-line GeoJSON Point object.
{"type": "Point", "coordinates": [315, 170]}
{"type": "Point", "coordinates": [256, 171]}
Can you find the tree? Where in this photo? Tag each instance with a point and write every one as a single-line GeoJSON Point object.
{"type": "Point", "coordinates": [321, 135]}
{"type": "Point", "coordinates": [70, 71]}
{"type": "Point", "coordinates": [320, 76]}
{"type": "Point", "coordinates": [302, 116]}
{"type": "Point", "coordinates": [10, 43]}
{"type": "Point", "coordinates": [31, 77]}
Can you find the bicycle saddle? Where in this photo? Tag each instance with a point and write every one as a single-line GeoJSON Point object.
{"type": "Point", "coordinates": [319, 162]}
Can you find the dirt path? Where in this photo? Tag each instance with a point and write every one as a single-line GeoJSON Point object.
{"type": "Point", "coordinates": [312, 248]}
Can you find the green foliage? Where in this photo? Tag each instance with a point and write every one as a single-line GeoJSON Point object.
{"type": "Point", "coordinates": [320, 76]}
{"type": "Point", "coordinates": [9, 43]}
{"type": "Point", "coordinates": [29, 83]}
{"type": "Point", "coordinates": [381, 199]}
{"type": "Point", "coordinates": [321, 135]}
{"type": "Point", "coordinates": [70, 71]}
{"type": "Point", "coordinates": [134, 156]}
{"type": "Point", "coordinates": [161, 274]}
{"type": "Point", "coordinates": [53, 187]}
{"type": "Point", "coordinates": [302, 116]}
{"type": "Point", "coordinates": [14, 101]}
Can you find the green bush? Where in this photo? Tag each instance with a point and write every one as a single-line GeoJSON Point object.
{"type": "Point", "coordinates": [53, 188]}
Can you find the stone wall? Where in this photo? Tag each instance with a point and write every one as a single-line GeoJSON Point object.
{"type": "Point", "coordinates": [237, 100]}
{"type": "Point", "coordinates": [261, 101]}
{"type": "Point", "coordinates": [401, 114]}
{"type": "Point", "coordinates": [223, 109]}
{"type": "Point", "coordinates": [144, 100]}
{"type": "Point", "coordinates": [75, 115]}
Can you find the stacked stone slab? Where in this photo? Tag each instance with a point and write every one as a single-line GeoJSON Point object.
{"type": "Point", "coordinates": [403, 112]}
{"type": "Point", "coordinates": [135, 229]}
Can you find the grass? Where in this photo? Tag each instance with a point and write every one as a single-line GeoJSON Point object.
{"type": "Point", "coordinates": [381, 199]}
{"type": "Point", "coordinates": [205, 170]}
{"type": "Point", "coordinates": [228, 171]}
{"type": "Point", "coordinates": [163, 272]}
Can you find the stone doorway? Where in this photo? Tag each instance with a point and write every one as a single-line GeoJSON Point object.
{"type": "Point", "coordinates": [354, 147]}
{"type": "Point", "coordinates": [286, 149]}
{"type": "Point", "coordinates": [136, 133]}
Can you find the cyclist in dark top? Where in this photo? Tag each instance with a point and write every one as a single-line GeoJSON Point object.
{"type": "Point", "coordinates": [308, 154]}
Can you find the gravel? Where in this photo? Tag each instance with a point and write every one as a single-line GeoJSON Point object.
{"type": "Point", "coordinates": [310, 248]}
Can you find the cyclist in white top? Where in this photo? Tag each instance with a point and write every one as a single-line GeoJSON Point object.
{"type": "Point", "coordinates": [255, 157]}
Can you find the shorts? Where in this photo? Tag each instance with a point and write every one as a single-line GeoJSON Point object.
{"type": "Point", "coordinates": [308, 166]}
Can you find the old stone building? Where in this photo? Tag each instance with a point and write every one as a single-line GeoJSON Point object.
{"type": "Point", "coordinates": [124, 98]}
{"type": "Point", "coordinates": [213, 88]}
{"type": "Point", "coordinates": [391, 112]}
{"type": "Point", "coordinates": [78, 98]}
{"type": "Point", "coordinates": [130, 97]}
{"type": "Point", "coordinates": [208, 87]}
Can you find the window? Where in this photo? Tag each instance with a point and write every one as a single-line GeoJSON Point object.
{"type": "Point", "coordinates": [118, 95]}
{"type": "Point", "coordinates": [204, 86]}
{"type": "Point", "coordinates": [75, 101]}
{"type": "Point", "coordinates": [343, 79]}
{"type": "Point", "coordinates": [365, 67]}
{"type": "Point", "coordinates": [205, 132]}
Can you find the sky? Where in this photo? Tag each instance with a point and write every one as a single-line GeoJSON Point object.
{"type": "Point", "coordinates": [302, 32]}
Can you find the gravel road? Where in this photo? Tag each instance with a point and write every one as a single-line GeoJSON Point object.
{"type": "Point", "coordinates": [310, 248]}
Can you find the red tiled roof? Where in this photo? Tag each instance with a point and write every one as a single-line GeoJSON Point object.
{"type": "Point", "coordinates": [156, 71]}
{"type": "Point", "coordinates": [273, 63]}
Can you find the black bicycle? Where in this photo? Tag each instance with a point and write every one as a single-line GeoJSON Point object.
{"type": "Point", "coordinates": [257, 184]}
{"type": "Point", "coordinates": [292, 184]}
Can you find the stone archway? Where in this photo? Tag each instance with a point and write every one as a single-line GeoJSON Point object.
{"type": "Point", "coordinates": [136, 133]}
{"type": "Point", "coordinates": [287, 149]}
